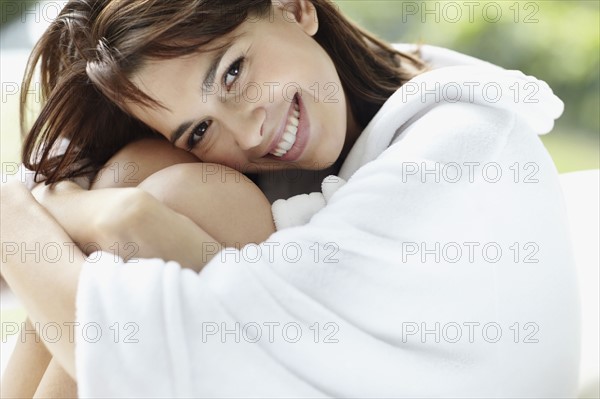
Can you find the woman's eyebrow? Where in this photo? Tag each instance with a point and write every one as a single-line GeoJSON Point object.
{"type": "Point", "coordinates": [180, 131]}
{"type": "Point", "coordinates": [209, 77]}
{"type": "Point", "coordinates": [209, 80]}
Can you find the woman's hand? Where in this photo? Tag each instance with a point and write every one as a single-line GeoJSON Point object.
{"type": "Point", "coordinates": [144, 227]}
{"type": "Point", "coordinates": [83, 214]}
{"type": "Point", "coordinates": [128, 222]}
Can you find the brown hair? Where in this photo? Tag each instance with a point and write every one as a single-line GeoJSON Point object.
{"type": "Point", "coordinates": [93, 46]}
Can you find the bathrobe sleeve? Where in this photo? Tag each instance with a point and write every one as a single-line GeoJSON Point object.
{"type": "Point", "coordinates": [404, 284]}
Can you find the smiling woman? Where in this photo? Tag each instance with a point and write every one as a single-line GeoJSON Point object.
{"type": "Point", "coordinates": [178, 82]}
{"type": "Point", "coordinates": [369, 261]}
{"type": "Point", "coordinates": [251, 56]}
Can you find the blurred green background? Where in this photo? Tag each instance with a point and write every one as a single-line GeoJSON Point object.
{"type": "Point", "coordinates": [556, 41]}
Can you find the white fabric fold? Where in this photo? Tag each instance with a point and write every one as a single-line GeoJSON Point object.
{"type": "Point", "coordinates": [474, 82]}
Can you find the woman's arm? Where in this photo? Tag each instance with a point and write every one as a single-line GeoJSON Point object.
{"type": "Point", "coordinates": [47, 284]}
{"type": "Point", "coordinates": [127, 220]}
{"type": "Point", "coordinates": [226, 202]}
{"type": "Point", "coordinates": [31, 371]}
{"type": "Point", "coordinates": [47, 287]}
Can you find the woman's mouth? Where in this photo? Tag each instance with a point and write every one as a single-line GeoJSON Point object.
{"type": "Point", "coordinates": [289, 132]}
{"type": "Point", "coordinates": [291, 143]}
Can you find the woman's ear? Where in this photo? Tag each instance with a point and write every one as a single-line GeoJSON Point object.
{"type": "Point", "coordinates": [302, 12]}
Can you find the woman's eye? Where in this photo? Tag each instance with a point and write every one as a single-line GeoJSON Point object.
{"type": "Point", "coordinates": [232, 73]}
{"type": "Point", "coordinates": [197, 134]}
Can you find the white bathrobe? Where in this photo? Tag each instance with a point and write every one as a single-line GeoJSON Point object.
{"type": "Point", "coordinates": [438, 264]}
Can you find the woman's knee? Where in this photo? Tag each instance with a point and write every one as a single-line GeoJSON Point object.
{"type": "Point", "coordinates": [138, 160]}
{"type": "Point", "coordinates": [221, 200]}
{"type": "Point", "coordinates": [56, 383]}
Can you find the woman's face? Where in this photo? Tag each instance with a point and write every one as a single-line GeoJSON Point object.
{"type": "Point", "coordinates": [270, 99]}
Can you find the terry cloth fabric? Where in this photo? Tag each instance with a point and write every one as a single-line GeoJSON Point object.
{"type": "Point", "coordinates": [440, 266]}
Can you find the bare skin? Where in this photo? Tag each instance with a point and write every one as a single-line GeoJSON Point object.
{"type": "Point", "coordinates": [26, 367]}
{"type": "Point", "coordinates": [178, 180]}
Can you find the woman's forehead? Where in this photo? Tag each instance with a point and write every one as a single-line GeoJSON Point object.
{"type": "Point", "coordinates": [154, 67]}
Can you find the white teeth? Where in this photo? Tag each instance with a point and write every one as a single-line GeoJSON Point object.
{"type": "Point", "coordinates": [289, 137]}
{"type": "Point", "coordinates": [291, 129]}
{"type": "Point", "coordinates": [284, 146]}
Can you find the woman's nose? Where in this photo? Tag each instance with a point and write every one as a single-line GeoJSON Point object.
{"type": "Point", "coordinates": [245, 126]}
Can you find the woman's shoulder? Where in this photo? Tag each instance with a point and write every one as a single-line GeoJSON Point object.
{"type": "Point", "coordinates": [455, 78]}
{"type": "Point", "coordinates": [460, 100]}
{"type": "Point", "coordinates": [467, 98]}
{"type": "Point", "coordinates": [455, 131]}
{"type": "Point", "coordinates": [438, 57]}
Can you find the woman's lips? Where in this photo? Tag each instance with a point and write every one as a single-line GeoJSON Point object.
{"type": "Point", "coordinates": [301, 136]}
{"type": "Point", "coordinates": [286, 136]}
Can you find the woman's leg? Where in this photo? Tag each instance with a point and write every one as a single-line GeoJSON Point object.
{"type": "Point", "coordinates": [222, 201]}
{"type": "Point", "coordinates": [26, 366]}
{"type": "Point", "coordinates": [56, 383]}
{"type": "Point", "coordinates": [138, 160]}
{"type": "Point", "coordinates": [31, 370]}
